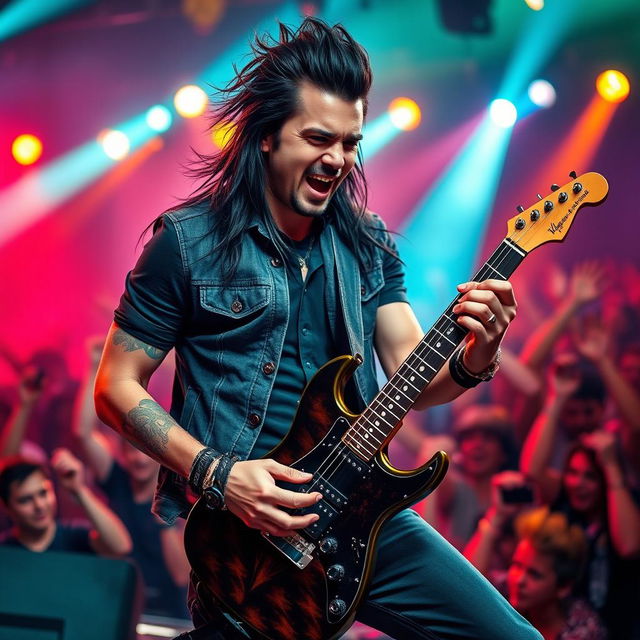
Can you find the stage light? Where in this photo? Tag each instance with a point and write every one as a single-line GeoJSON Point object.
{"type": "Point", "coordinates": [536, 5]}
{"type": "Point", "coordinates": [405, 113]}
{"type": "Point", "coordinates": [114, 143]}
{"type": "Point", "coordinates": [190, 101]}
{"type": "Point", "coordinates": [542, 93]}
{"type": "Point", "coordinates": [26, 149]}
{"type": "Point", "coordinates": [613, 86]}
{"type": "Point", "coordinates": [222, 134]}
{"type": "Point", "coordinates": [159, 118]}
{"type": "Point", "coordinates": [503, 113]}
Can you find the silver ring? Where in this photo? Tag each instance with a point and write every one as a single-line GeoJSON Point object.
{"type": "Point", "coordinates": [492, 319]}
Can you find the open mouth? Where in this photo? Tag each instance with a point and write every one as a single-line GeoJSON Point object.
{"type": "Point", "coordinates": [320, 184]}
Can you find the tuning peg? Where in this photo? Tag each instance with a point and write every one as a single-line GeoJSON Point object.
{"type": "Point", "coordinates": [555, 187]}
{"type": "Point", "coordinates": [519, 208]}
{"type": "Point", "coordinates": [573, 175]}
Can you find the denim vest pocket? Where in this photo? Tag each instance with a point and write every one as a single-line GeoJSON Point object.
{"type": "Point", "coordinates": [236, 301]}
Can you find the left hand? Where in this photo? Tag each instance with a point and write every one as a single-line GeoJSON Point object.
{"type": "Point", "coordinates": [69, 470]}
{"type": "Point", "coordinates": [486, 309]}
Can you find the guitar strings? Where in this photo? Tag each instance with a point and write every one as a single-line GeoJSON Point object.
{"type": "Point", "coordinates": [324, 469]}
{"type": "Point", "coordinates": [333, 459]}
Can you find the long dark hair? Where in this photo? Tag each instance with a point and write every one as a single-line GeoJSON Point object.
{"type": "Point", "coordinates": [261, 97]}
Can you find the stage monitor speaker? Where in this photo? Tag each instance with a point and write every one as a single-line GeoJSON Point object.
{"type": "Point", "coordinates": [66, 596]}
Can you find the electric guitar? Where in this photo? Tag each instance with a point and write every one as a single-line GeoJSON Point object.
{"type": "Point", "coordinates": [309, 585]}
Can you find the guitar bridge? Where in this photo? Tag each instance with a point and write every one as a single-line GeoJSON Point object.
{"type": "Point", "coordinates": [294, 547]}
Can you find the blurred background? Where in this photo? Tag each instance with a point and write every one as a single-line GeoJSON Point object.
{"type": "Point", "coordinates": [71, 71]}
{"type": "Point", "coordinates": [477, 106]}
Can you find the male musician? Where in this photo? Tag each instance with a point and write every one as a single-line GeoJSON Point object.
{"type": "Point", "coordinates": [270, 269]}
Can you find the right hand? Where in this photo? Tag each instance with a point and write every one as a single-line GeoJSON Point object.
{"type": "Point", "coordinates": [251, 494]}
{"type": "Point", "coordinates": [587, 282]}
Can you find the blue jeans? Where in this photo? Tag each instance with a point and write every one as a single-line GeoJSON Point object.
{"type": "Point", "coordinates": [423, 588]}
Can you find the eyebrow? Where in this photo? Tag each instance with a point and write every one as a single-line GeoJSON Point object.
{"type": "Point", "coordinates": [355, 137]}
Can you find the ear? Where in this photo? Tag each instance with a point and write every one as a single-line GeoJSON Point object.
{"type": "Point", "coordinates": [265, 145]}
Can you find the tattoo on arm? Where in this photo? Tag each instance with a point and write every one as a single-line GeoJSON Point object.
{"type": "Point", "coordinates": [130, 343]}
{"type": "Point", "coordinates": [150, 423]}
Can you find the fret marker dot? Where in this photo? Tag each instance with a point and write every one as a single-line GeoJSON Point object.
{"type": "Point", "coordinates": [398, 397]}
{"type": "Point", "coordinates": [405, 387]}
{"type": "Point", "coordinates": [390, 406]}
{"type": "Point", "coordinates": [412, 378]}
{"type": "Point", "coordinates": [438, 344]}
{"type": "Point", "coordinates": [377, 423]}
{"type": "Point", "coordinates": [421, 367]}
{"type": "Point", "coordinates": [383, 414]}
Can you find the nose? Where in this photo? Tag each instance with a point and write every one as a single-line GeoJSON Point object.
{"type": "Point", "coordinates": [334, 157]}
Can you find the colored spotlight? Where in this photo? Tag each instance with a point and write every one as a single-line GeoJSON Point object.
{"type": "Point", "coordinates": [613, 86]}
{"type": "Point", "coordinates": [503, 113]}
{"type": "Point", "coordinates": [405, 113]}
{"type": "Point", "coordinates": [536, 5]}
{"type": "Point", "coordinates": [159, 118]}
{"type": "Point", "coordinates": [115, 144]}
{"type": "Point", "coordinates": [190, 101]}
{"type": "Point", "coordinates": [26, 149]}
{"type": "Point", "coordinates": [222, 134]}
{"type": "Point", "coordinates": [542, 93]}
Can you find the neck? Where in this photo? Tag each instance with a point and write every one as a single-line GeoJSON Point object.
{"type": "Point", "coordinates": [548, 619]}
{"type": "Point", "coordinates": [36, 539]}
{"type": "Point", "coordinates": [143, 490]}
{"type": "Point", "coordinates": [291, 223]}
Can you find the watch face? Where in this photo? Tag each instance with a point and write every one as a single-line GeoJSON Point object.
{"type": "Point", "coordinates": [213, 498]}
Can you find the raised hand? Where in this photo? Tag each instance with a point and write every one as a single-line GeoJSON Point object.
{"type": "Point", "coordinates": [593, 342]}
{"type": "Point", "coordinates": [587, 282]}
{"type": "Point", "coordinates": [68, 469]}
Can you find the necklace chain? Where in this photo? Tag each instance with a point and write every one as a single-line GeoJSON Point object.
{"type": "Point", "coordinates": [303, 262]}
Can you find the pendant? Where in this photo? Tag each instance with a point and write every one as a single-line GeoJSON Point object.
{"type": "Point", "coordinates": [303, 268]}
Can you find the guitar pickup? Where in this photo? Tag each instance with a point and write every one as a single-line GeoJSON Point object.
{"type": "Point", "coordinates": [327, 514]}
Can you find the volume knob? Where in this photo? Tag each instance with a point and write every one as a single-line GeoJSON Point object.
{"type": "Point", "coordinates": [335, 572]}
{"type": "Point", "coordinates": [328, 545]}
{"type": "Point", "coordinates": [337, 607]}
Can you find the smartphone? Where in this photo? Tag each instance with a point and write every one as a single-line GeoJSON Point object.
{"type": "Point", "coordinates": [517, 495]}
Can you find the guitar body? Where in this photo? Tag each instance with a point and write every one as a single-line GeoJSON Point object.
{"type": "Point", "coordinates": [263, 585]}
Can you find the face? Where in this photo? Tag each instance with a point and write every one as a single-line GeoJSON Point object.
{"type": "Point", "coordinates": [582, 484]}
{"type": "Point", "coordinates": [312, 154]}
{"type": "Point", "coordinates": [32, 503]}
{"type": "Point", "coordinates": [481, 453]}
{"type": "Point", "coordinates": [531, 580]}
{"type": "Point", "coordinates": [581, 415]}
{"type": "Point", "coordinates": [140, 466]}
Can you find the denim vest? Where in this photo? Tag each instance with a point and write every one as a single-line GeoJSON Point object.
{"type": "Point", "coordinates": [233, 335]}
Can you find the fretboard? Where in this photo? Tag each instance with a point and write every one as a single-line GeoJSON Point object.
{"type": "Point", "coordinates": [377, 422]}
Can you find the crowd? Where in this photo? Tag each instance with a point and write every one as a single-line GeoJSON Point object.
{"type": "Point", "coordinates": [542, 496]}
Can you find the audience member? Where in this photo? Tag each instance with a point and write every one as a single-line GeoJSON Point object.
{"type": "Point", "coordinates": [484, 436]}
{"type": "Point", "coordinates": [546, 564]}
{"type": "Point", "coordinates": [26, 491]}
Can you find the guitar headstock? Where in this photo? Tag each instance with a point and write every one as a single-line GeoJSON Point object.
{"type": "Point", "coordinates": [549, 219]}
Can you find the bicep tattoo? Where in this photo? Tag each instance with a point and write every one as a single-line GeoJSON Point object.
{"type": "Point", "coordinates": [149, 423]}
{"type": "Point", "coordinates": [130, 343]}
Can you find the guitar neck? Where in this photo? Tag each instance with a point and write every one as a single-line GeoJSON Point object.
{"type": "Point", "coordinates": [375, 426]}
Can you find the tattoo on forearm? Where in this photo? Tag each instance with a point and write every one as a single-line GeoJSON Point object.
{"type": "Point", "coordinates": [130, 343]}
{"type": "Point", "coordinates": [149, 423]}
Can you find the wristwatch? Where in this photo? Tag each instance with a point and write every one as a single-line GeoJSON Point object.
{"type": "Point", "coordinates": [214, 498]}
